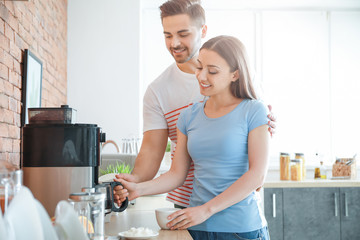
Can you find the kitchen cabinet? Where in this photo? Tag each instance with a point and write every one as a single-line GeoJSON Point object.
{"type": "Point", "coordinates": [273, 205]}
{"type": "Point", "coordinates": [330, 213]}
{"type": "Point", "coordinates": [309, 213]}
{"type": "Point", "coordinates": [350, 213]}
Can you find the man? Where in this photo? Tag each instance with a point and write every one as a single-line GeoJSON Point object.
{"type": "Point", "coordinates": [174, 90]}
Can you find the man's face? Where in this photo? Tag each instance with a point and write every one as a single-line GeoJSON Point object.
{"type": "Point", "coordinates": [182, 37]}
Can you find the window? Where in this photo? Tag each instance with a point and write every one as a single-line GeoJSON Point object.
{"type": "Point", "coordinates": [307, 62]}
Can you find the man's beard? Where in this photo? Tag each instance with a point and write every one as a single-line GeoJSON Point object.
{"type": "Point", "coordinates": [186, 58]}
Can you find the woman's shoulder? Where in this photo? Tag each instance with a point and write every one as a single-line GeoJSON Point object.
{"type": "Point", "coordinates": [254, 103]}
{"type": "Point", "coordinates": [189, 114]}
{"type": "Point", "coordinates": [255, 106]}
{"type": "Point", "coordinates": [196, 106]}
{"type": "Point", "coordinates": [193, 108]}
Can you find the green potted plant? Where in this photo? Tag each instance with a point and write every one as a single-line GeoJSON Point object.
{"type": "Point", "coordinates": [167, 156]}
{"type": "Point", "coordinates": [118, 168]}
{"type": "Point", "coordinates": [168, 147]}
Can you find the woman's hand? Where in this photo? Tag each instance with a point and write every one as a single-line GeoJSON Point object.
{"type": "Point", "coordinates": [188, 217]}
{"type": "Point", "coordinates": [129, 188]}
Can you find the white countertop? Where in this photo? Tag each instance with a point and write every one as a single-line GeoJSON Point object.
{"type": "Point", "coordinates": [312, 183]}
{"type": "Point", "coordinates": [142, 214]}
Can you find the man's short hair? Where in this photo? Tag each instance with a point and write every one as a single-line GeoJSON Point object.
{"type": "Point", "coordinates": [192, 8]}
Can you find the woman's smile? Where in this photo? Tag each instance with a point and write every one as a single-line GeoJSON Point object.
{"type": "Point", "coordinates": [203, 85]}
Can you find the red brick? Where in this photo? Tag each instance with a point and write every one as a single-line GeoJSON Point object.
{"type": "Point", "coordinates": [2, 60]}
{"type": "Point", "coordinates": [31, 7]}
{"type": "Point", "coordinates": [13, 78]}
{"type": "Point", "coordinates": [17, 119]}
{"type": "Point", "coordinates": [15, 51]}
{"type": "Point", "coordinates": [9, 32]}
{"type": "Point", "coordinates": [17, 67]}
{"type": "Point", "coordinates": [45, 103]}
{"type": "Point", "coordinates": [2, 87]}
{"type": "Point", "coordinates": [33, 31]}
{"type": "Point", "coordinates": [19, 107]}
{"type": "Point", "coordinates": [41, 53]}
{"type": "Point", "coordinates": [14, 158]}
{"type": "Point", "coordinates": [25, 20]}
{"type": "Point", "coordinates": [40, 26]}
{"type": "Point", "coordinates": [16, 146]}
{"type": "Point", "coordinates": [4, 101]}
{"type": "Point", "coordinates": [13, 22]}
{"type": "Point", "coordinates": [34, 47]}
{"type": "Point", "coordinates": [4, 12]}
{"type": "Point", "coordinates": [44, 93]}
{"type": "Point", "coordinates": [4, 42]}
{"type": "Point", "coordinates": [14, 132]}
{"type": "Point", "coordinates": [3, 155]}
{"type": "Point", "coordinates": [18, 11]}
{"type": "Point", "coordinates": [45, 84]}
{"type": "Point", "coordinates": [2, 115]}
{"type": "Point", "coordinates": [4, 130]}
{"type": "Point", "coordinates": [17, 94]}
{"type": "Point", "coordinates": [21, 6]}
{"type": "Point", "coordinates": [8, 60]}
{"type": "Point", "coordinates": [12, 104]}
{"type": "Point", "coordinates": [8, 116]}
{"type": "Point", "coordinates": [20, 42]}
{"type": "Point", "coordinates": [2, 26]}
{"type": "Point", "coordinates": [25, 35]}
{"type": "Point", "coordinates": [7, 144]}
{"type": "Point", "coordinates": [9, 88]}
{"type": "Point", "coordinates": [4, 71]}
{"type": "Point", "coordinates": [10, 6]}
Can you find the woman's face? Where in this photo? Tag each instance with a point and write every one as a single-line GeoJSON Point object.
{"type": "Point", "coordinates": [213, 74]}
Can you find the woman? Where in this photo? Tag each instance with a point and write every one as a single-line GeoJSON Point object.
{"type": "Point", "coordinates": [226, 136]}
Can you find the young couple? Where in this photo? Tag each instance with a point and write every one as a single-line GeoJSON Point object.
{"type": "Point", "coordinates": [222, 140]}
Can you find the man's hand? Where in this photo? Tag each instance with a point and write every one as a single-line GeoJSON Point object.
{"type": "Point", "coordinates": [271, 123]}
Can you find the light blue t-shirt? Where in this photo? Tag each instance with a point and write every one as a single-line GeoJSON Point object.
{"type": "Point", "coordinates": [219, 149]}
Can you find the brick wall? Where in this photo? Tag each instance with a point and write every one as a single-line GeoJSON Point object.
{"type": "Point", "coordinates": [41, 26]}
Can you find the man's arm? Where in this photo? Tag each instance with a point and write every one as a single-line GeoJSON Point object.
{"type": "Point", "coordinates": [151, 154]}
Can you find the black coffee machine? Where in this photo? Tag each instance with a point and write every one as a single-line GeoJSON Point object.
{"type": "Point", "coordinates": [59, 157]}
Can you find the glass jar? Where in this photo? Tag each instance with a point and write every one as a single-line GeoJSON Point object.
{"type": "Point", "coordinates": [284, 166]}
{"type": "Point", "coordinates": [322, 170]}
{"type": "Point", "coordinates": [90, 208]}
{"type": "Point", "coordinates": [296, 170]}
{"type": "Point", "coordinates": [6, 189]}
{"type": "Point", "coordinates": [301, 156]}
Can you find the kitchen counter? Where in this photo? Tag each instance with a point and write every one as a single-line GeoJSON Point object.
{"type": "Point", "coordinates": [312, 183]}
{"type": "Point", "coordinates": [142, 214]}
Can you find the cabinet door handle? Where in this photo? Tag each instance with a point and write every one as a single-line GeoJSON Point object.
{"type": "Point", "coordinates": [336, 205]}
{"type": "Point", "coordinates": [346, 206]}
{"type": "Point", "coordinates": [274, 205]}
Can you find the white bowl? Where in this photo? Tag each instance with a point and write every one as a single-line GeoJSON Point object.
{"type": "Point", "coordinates": [162, 214]}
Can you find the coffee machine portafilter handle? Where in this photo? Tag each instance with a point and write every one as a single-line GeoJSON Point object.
{"type": "Point", "coordinates": [123, 205]}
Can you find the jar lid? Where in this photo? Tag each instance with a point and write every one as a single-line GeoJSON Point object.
{"type": "Point", "coordinates": [295, 160]}
{"type": "Point", "coordinates": [284, 153]}
{"type": "Point", "coordinates": [299, 154]}
{"type": "Point", "coordinates": [85, 196]}
{"type": "Point", "coordinates": [88, 189]}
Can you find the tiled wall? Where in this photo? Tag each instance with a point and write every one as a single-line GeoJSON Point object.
{"type": "Point", "coordinates": [41, 26]}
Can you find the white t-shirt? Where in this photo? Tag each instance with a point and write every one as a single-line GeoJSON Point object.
{"type": "Point", "coordinates": [164, 100]}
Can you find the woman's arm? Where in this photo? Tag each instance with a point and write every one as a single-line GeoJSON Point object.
{"type": "Point", "coordinates": [258, 151]}
{"type": "Point", "coordinates": [168, 181]}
